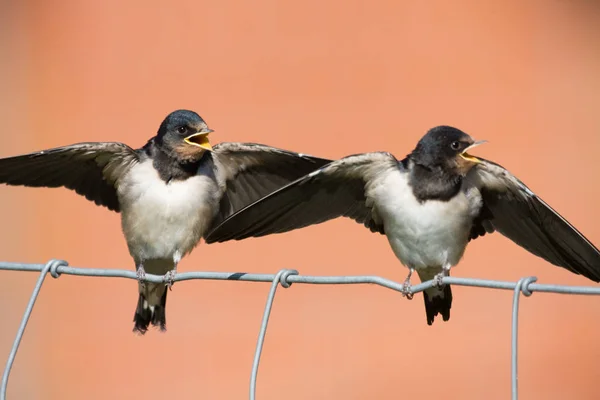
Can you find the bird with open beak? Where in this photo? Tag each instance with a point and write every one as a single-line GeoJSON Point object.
{"type": "Point", "coordinates": [429, 205]}
{"type": "Point", "coordinates": [169, 192]}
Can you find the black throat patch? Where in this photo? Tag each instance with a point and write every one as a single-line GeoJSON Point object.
{"type": "Point", "coordinates": [170, 168]}
{"type": "Point", "coordinates": [433, 183]}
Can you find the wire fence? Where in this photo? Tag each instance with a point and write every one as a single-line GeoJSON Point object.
{"type": "Point", "coordinates": [285, 278]}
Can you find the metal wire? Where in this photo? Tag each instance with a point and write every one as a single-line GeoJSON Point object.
{"type": "Point", "coordinates": [522, 287]}
{"type": "Point", "coordinates": [281, 277]}
{"type": "Point", "coordinates": [285, 278]}
{"type": "Point", "coordinates": [53, 264]}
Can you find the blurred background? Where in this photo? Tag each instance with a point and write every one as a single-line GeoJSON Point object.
{"type": "Point", "coordinates": [330, 78]}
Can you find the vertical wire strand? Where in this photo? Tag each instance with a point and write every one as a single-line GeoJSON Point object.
{"type": "Point", "coordinates": [51, 265]}
{"type": "Point", "coordinates": [281, 277]}
{"type": "Point", "coordinates": [521, 287]}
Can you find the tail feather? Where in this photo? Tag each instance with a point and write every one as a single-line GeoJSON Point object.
{"type": "Point", "coordinates": [438, 301]}
{"type": "Point", "coordinates": [146, 314]}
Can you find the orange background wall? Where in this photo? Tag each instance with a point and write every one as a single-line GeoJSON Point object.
{"type": "Point", "coordinates": [329, 78]}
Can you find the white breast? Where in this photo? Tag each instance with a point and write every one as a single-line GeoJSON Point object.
{"type": "Point", "coordinates": [429, 234]}
{"type": "Point", "coordinates": [165, 220]}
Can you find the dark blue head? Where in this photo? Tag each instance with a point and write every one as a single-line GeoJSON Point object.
{"type": "Point", "coordinates": [184, 134]}
{"type": "Point", "coordinates": [445, 147]}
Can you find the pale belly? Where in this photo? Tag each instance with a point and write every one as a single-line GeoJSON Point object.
{"type": "Point", "coordinates": [165, 220]}
{"type": "Point", "coordinates": [425, 235]}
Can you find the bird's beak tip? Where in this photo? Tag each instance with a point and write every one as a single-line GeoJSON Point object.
{"type": "Point", "coordinates": [200, 139]}
{"type": "Point", "coordinates": [469, 157]}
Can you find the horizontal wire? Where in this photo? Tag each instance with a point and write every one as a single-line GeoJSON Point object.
{"type": "Point", "coordinates": [307, 279]}
{"type": "Point", "coordinates": [285, 278]}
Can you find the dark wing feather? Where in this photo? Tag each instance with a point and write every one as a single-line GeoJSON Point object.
{"type": "Point", "coordinates": [512, 209]}
{"type": "Point", "coordinates": [338, 189]}
{"type": "Point", "coordinates": [90, 169]}
{"type": "Point", "coordinates": [248, 171]}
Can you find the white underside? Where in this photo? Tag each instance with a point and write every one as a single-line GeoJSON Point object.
{"type": "Point", "coordinates": [164, 221]}
{"type": "Point", "coordinates": [428, 235]}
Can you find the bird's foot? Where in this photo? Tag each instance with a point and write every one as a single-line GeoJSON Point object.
{"type": "Point", "coordinates": [141, 275]}
{"type": "Point", "coordinates": [170, 278]}
{"type": "Point", "coordinates": [437, 280]}
{"type": "Point", "coordinates": [406, 289]}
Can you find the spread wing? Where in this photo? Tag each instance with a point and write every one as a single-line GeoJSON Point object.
{"type": "Point", "coordinates": [90, 169]}
{"type": "Point", "coordinates": [338, 189]}
{"type": "Point", "coordinates": [249, 171]}
{"type": "Point", "coordinates": [512, 209]}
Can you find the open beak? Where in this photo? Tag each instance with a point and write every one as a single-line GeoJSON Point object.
{"type": "Point", "coordinates": [200, 139]}
{"type": "Point", "coordinates": [469, 157]}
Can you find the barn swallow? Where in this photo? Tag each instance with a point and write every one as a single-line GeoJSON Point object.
{"type": "Point", "coordinates": [430, 206]}
{"type": "Point", "coordinates": [169, 192]}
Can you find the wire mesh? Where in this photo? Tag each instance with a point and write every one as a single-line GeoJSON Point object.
{"type": "Point", "coordinates": [285, 278]}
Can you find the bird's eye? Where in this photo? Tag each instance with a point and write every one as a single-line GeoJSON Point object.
{"type": "Point", "coordinates": [455, 145]}
{"type": "Point", "coordinates": [182, 129]}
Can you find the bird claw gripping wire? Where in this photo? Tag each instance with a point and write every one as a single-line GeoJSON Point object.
{"type": "Point", "coordinates": [406, 286]}
{"type": "Point", "coordinates": [407, 290]}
